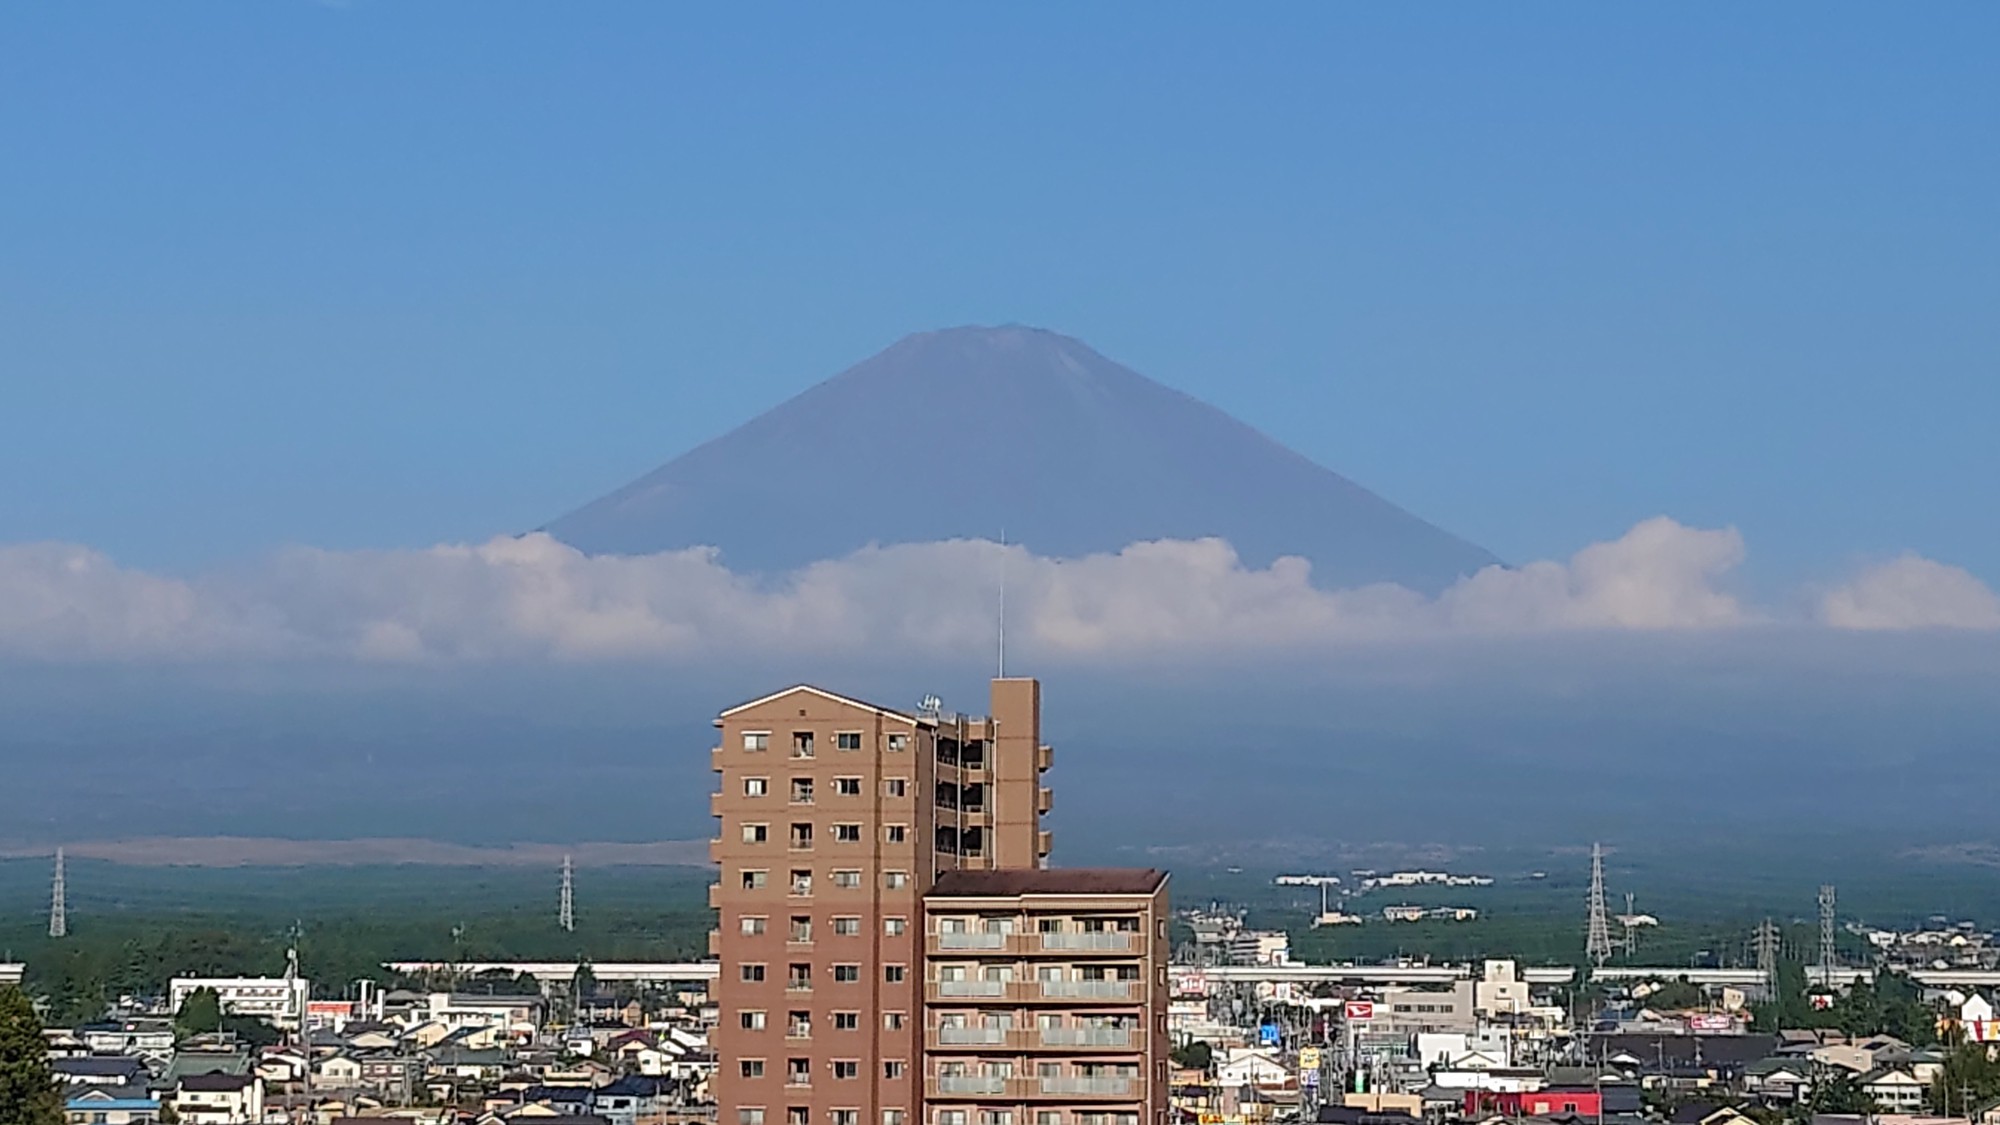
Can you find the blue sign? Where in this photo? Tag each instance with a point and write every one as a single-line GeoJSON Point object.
{"type": "Point", "coordinates": [1270, 1034]}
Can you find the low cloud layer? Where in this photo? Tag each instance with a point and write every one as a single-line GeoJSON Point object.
{"type": "Point", "coordinates": [533, 597]}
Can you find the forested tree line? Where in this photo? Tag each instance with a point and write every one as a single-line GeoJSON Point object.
{"type": "Point", "coordinates": [104, 958]}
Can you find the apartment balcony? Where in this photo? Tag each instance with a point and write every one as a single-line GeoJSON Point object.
{"type": "Point", "coordinates": [1045, 800]}
{"type": "Point", "coordinates": [715, 804]}
{"type": "Point", "coordinates": [1068, 1040]}
{"type": "Point", "coordinates": [1091, 991]}
{"type": "Point", "coordinates": [983, 1040]}
{"type": "Point", "coordinates": [715, 758]}
{"type": "Point", "coordinates": [715, 896]}
{"type": "Point", "coordinates": [1011, 945]}
{"type": "Point", "coordinates": [1103, 941]}
{"type": "Point", "coordinates": [1045, 757]}
{"type": "Point", "coordinates": [715, 943]}
{"type": "Point", "coordinates": [979, 992]}
{"type": "Point", "coordinates": [1077, 1086]}
{"type": "Point", "coordinates": [1044, 842]}
{"type": "Point", "coordinates": [993, 1087]}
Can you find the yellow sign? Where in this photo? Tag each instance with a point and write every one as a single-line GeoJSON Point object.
{"type": "Point", "coordinates": [1308, 1058]}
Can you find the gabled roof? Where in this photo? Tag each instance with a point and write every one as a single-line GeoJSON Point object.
{"type": "Point", "coordinates": [823, 694]}
{"type": "Point", "coordinates": [217, 1083]}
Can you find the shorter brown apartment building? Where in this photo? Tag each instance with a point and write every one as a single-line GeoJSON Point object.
{"type": "Point", "coordinates": [1045, 997]}
{"type": "Point", "coordinates": [841, 823]}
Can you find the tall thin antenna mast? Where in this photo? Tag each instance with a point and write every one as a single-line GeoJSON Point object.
{"type": "Point", "coordinates": [1597, 936]}
{"type": "Point", "coordinates": [1826, 950]}
{"type": "Point", "coordinates": [1767, 957]}
{"type": "Point", "coordinates": [58, 902]}
{"type": "Point", "coordinates": [1003, 605]}
{"type": "Point", "coordinates": [566, 913]}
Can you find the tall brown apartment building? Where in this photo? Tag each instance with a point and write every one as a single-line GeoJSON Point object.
{"type": "Point", "coordinates": [837, 817]}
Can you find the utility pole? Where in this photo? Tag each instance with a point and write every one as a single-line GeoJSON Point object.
{"type": "Point", "coordinates": [298, 996]}
{"type": "Point", "coordinates": [566, 913]}
{"type": "Point", "coordinates": [58, 904]}
{"type": "Point", "coordinates": [1631, 928]}
{"type": "Point", "coordinates": [1597, 936]}
{"type": "Point", "coordinates": [1826, 951]}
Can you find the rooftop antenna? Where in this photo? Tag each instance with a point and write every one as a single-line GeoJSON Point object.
{"type": "Point", "coordinates": [1003, 605]}
{"type": "Point", "coordinates": [566, 913]}
{"type": "Point", "coordinates": [1597, 937]}
{"type": "Point", "coordinates": [58, 902]}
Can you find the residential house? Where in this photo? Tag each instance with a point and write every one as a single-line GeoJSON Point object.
{"type": "Point", "coordinates": [1709, 1113]}
{"type": "Point", "coordinates": [631, 1099]}
{"type": "Point", "coordinates": [100, 1070]}
{"type": "Point", "coordinates": [219, 1099]}
{"type": "Point", "coordinates": [1895, 1089]}
{"type": "Point", "coordinates": [111, 1105]}
{"type": "Point", "coordinates": [1778, 1080]}
{"type": "Point", "coordinates": [340, 1072]}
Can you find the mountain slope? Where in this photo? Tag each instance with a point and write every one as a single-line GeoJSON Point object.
{"type": "Point", "coordinates": [965, 432]}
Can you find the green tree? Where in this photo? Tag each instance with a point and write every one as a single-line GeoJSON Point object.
{"type": "Point", "coordinates": [1836, 1093]}
{"type": "Point", "coordinates": [200, 1013]}
{"type": "Point", "coordinates": [28, 1094]}
{"type": "Point", "coordinates": [1970, 1076]}
{"type": "Point", "coordinates": [1197, 1055]}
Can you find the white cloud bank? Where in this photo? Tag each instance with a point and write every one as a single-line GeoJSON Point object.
{"type": "Point", "coordinates": [533, 597]}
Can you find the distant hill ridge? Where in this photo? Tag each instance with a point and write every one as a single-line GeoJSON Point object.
{"type": "Point", "coordinates": [962, 432]}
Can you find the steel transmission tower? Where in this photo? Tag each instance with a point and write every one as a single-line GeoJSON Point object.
{"type": "Point", "coordinates": [1597, 940]}
{"type": "Point", "coordinates": [1767, 955]}
{"type": "Point", "coordinates": [1827, 960]}
{"type": "Point", "coordinates": [58, 902]}
{"type": "Point", "coordinates": [566, 914]}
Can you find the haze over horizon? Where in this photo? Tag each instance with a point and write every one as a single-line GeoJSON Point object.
{"type": "Point", "coordinates": [1683, 315]}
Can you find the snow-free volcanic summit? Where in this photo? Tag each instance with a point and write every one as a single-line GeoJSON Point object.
{"type": "Point", "coordinates": [972, 432]}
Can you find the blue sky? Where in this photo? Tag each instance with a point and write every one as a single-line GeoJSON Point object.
{"type": "Point", "coordinates": [385, 274]}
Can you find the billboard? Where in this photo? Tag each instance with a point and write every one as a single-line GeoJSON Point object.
{"type": "Point", "coordinates": [1359, 1011]}
{"type": "Point", "coordinates": [1309, 1058]}
{"type": "Point", "coordinates": [1270, 1034]}
{"type": "Point", "coordinates": [1711, 1022]}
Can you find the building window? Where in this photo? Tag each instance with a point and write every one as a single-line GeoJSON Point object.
{"type": "Point", "coordinates": [898, 742]}
{"type": "Point", "coordinates": [895, 927]}
{"type": "Point", "coordinates": [756, 740]}
{"type": "Point", "coordinates": [845, 1116]}
{"type": "Point", "coordinates": [847, 927]}
{"type": "Point", "coordinates": [802, 881]}
{"type": "Point", "coordinates": [752, 1068]}
{"type": "Point", "coordinates": [996, 1117]}
{"type": "Point", "coordinates": [802, 837]}
{"type": "Point", "coordinates": [896, 787]}
{"type": "Point", "coordinates": [892, 1117]}
{"type": "Point", "coordinates": [951, 1117]}
{"type": "Point", "coordinates": [846, 1068]}
{"type": "Point", "coordinates": [798, 1025]}
{"type": "Point", "coordinates": [895, 833]}
{"type": "Point", "coordinates": [802, 790]}
{"type": "Point", "coordinates": [1048, 1117]}
{"type": "Point", "coordinates": [756, 787]}
{"type": "Point", "coordinates": [750, 1115]}
{"type": "Point", "coordinates": [798, 1072]}
{"type": "Point", "coordinates": [847, 740]}
{"type": "Point", "coordinates": [894, 974]}
{"type": "Point", "coordinates": [895, 880]}
{"type": "Point", "coordinates": [799, 977]}
{"type": "Point", "coordinates": [756, 833]}
{"type": "Point", "coordinates": [750, 925]}
{"type": "Point", "coordinates": [892, 1021]}
{"type": "Point", "coordinates": [847, 879]}
{"type": "Point", "coordinates": [756, 880]}
{"type": "Point", "coordinates": [752, 973]}
{"type": "Point", "coordinates": [846, 974]}
{"type": "Point", "coordinates": [847, 833]}
{"type": "Point", "coordinates": [798, 1115]}
{"type": "Point", "coordinates": [847, 1021]}
{"type": "Point", "coordinates": [893, 1069]}
{"type": "Point", "coordinates": [802, 928]}
{"type": "Point", "coordinates": [752, 1021]}
{"type": "Point", "coordinates": [802, 744]}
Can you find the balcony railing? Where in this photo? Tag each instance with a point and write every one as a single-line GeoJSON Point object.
{"type": "Point", "coordinates": [972, 1036]}
{"type": "Point", "coordinates": [1077, 1087]}
{"type": "Point", "coordinates": [1125, 1037]}
{"type": "Point", "coordinates": [1088, 989]}
{"type": "Point", "coordinates": [970, 988]}
{"type": "Point", "coordinates": [970, 1084]}
{"type": "Point", "coordinates": [1115, 941]}
{"type": "Point", "coordinates": [962, 940]}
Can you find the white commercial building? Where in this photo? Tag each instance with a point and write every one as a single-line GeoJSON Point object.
{"type": "Point", "coordinates": [273, 999]}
